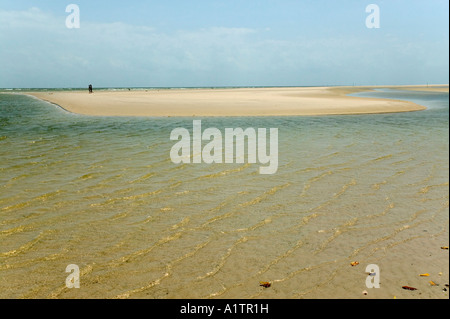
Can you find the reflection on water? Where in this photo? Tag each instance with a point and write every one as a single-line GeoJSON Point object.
{"type": "Point", "coordinates": [102, 193]}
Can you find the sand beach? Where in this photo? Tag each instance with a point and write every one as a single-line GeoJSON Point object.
{"type": "Point", "coordinates": [227, 102]}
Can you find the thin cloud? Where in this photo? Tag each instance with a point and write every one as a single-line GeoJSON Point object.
{"type": "Point", "coordinates": [40, 51]}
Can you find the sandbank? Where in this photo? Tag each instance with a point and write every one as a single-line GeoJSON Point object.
{"type": "Point", "coordinates": [289, 101]}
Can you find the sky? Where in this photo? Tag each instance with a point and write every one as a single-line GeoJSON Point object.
{"type": "Point", "coordinates": [211, 43]}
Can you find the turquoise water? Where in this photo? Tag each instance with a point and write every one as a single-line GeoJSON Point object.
{"type": "Point", "coordinates": [102, 193]}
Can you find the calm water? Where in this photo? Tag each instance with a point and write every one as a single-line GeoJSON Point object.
{"type": "Point", "coordinates": [102, 193]}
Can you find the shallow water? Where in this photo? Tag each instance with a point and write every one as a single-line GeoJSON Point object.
{"type": "Point", "coordinates": [102, 193]}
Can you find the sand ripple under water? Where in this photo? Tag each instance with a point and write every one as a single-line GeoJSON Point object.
{"type": "Point", "coordinates": [102, 193]}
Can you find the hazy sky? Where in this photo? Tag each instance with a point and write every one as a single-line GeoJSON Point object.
{"type": "Point", "coordinates": [222, 43]}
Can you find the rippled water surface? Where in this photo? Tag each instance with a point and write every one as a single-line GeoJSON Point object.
{"type": "Point", "coordinates": [102, 193]}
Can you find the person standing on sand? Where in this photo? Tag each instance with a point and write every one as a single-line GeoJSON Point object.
{"type": "Point", "coordinates": [90, 88]}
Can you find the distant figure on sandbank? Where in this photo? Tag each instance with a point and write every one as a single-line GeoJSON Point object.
{"type": "Point", "coordinates": [90, 88]}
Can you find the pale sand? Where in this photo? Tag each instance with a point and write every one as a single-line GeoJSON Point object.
{"type": "Point", "coordinates": [225, 102]}
{"type": "Point", "coordinates": [430, 88]}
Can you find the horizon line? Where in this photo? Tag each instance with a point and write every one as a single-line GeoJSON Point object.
{"type": "Point", "coordinates": [224, 86]}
